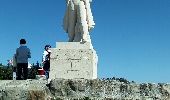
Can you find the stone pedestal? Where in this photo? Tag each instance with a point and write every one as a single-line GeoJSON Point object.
{"type": "Point", "coordinates": [73, 60]}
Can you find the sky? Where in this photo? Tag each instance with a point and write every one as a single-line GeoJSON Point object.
{"type": "Point", "coordinates": [131, 37]}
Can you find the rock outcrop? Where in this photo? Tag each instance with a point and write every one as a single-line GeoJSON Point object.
{"type": "Point", "coordinates": [81, 89]}
{"type": "Point", "coordinates": [24, 90]}
{"type": "Point", "coordinates": [108, 89]}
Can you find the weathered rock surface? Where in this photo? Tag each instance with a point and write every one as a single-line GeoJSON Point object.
{"type": "Point", "coordinates": [108, 89]}
{"type": "Point", "coordinates": [83, 89]}
{"type": "Point", "coordinates": [24, 90]}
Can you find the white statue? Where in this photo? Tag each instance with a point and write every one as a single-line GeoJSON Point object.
{"type": "Point", "coordinates": [78, 20]}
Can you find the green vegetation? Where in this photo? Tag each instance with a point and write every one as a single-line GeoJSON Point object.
{"type": "Point", "coordinates": [7, 72]}
{"type": "Point", "coordinates": [32, 73]}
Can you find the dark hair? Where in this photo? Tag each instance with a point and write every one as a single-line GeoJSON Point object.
{"type": "Point", "coordinates": [47, 46]}
{"type": "Point", "coordinates": [22, 41]}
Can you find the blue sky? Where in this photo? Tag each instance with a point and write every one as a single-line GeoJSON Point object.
{"type": "Point", "coordinates": [131, 37]}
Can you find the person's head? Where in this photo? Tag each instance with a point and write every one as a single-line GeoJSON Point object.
{"type": "Point", "coordinates": [47, 47]}
{"type": "Point", "coordinates": [22, 41]}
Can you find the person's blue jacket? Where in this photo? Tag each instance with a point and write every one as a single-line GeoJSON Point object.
{"type": "Point", "coordinates": [22, 54]}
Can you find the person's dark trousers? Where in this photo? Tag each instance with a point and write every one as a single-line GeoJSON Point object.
{"type": "Point", "coordinates": [22, 70]}
{"type": "Point", "coordinates": [47, 73]}
{"type": "Point", "coordinates": [46, 68]}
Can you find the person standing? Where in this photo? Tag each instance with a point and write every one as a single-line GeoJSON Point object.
{"type": "Point", "coordinates": [46, 60]}
{"type": "Point", "coordinates": [22, 55]}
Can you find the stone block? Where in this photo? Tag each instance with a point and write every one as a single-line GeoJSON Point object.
{"type": "Point", "coordinates": [73, 60]}
{"type": "Point", "coordinates": [74, 45]}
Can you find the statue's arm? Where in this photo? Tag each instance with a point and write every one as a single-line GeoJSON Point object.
{"type": "Point", "coordinates": [66, 17]}
{"type": "Point", "coordinates": [90, 20]}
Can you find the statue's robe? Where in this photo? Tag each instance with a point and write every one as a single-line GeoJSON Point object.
{"type": "Point", "coordinates": [78, 20]}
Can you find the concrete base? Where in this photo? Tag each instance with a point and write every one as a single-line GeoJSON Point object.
{"type": "Point", "coordinates": [73, 60]}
